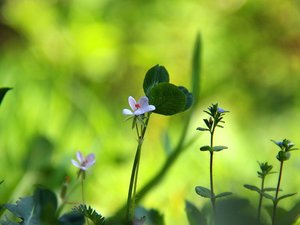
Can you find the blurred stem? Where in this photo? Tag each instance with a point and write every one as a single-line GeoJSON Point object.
{"type": "Point", "coordinates": [276, 194]}
{"type": "Point", "coordinates": [134, 173]}
{"type": "Point", "coordinates": [260, 198]}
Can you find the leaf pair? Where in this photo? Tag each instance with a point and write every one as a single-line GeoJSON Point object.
{"type": "Point", "coordinates": [167, 98]}
{"type": "Point", "coordinates": [206, 193]}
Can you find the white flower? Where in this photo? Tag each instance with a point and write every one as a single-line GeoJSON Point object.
{"type": "Point", "coordinates": [84, 163]}
{"type": "Point", "coordinates": [138, 108]}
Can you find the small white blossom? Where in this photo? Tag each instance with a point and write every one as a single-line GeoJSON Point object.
{"type": "Point", "coordinates": [138, 108]}
{"type": "Point", "coordinates": [84, 163]}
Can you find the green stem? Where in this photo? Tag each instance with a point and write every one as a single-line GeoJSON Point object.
{"type": "Point", "coordinates": [134, 173]}
{"type": "Point", "coordinates": [276, 194]}
{"type": "Point", "coordinates": [260, 198]}
{"type": "Point", "coordinates": [213, 200]}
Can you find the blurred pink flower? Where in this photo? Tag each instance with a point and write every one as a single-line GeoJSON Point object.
{"type": "Point", "coordinates": [84, 163]}
{"type": "Point", "coordinates": [138, 108]}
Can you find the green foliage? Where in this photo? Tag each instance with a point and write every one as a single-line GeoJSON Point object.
{"type": "Point", "coordinates": [194, 215]}
{"type": "Point", "coordinates": [40, 209]}
{"type": "Point", "coordinates": [90, 213]}
{"type": "Point", "coordinates": [152, 216]}
{"type": "Point", "coordinates": [168, 98]}
{"type": "Point", "coordinates": [204, 192]}
{"type": "Point", "coordinates": [3, 91]}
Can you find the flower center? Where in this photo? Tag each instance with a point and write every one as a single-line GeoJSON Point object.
{"type": "Point", "coordinates": [137, 106]}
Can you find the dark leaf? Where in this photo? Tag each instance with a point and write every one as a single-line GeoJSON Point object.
{"type": "Point", "coordinates": [188, 96]}
{"type": "Point", "coordinates": [285, 196]}
{"type": "Point", "coordinates": [196, 69]}
{"type": "Point", "coordinates": [90, 213]}
{"type": "Point", "coordinates": [3, 91]}
{"type": "Point", "coordinates": [72, 218]}
{"type": "Point", "coordinates": [194, 215]}
{"type": "Point", "coordinates": [252, 188]}
{"type": "Point", "coordinates": [202, 129]}
{"type": "Point", "coordinates": [167, 99]}
{"type": "Point", "coordinates": [205, 148]}
{"type": "Point", "coordinates": [153, 77]}
{"type": "Point", "coordinates": [153, 217]}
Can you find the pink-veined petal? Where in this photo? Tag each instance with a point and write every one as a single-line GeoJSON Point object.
{"type": "Point", "coordinates": [132, 102]}
{"type": "Point", "coordinates": [127, 112]}
{"type": "Point", "coordinates": [75, 163]}
{"type": "Point", "coordinates": [143, 101]}
{"type": "Point", "coordinates": [80, 157]}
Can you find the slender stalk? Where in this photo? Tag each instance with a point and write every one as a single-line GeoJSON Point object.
{"type": "Point", "coordinates": [134, 172]}
{"type": "Point", "coordinates": [276, 194]}
{"type": "Point", "coordinates": [260, 198]}
{"type": "Point", "coordinates": [213, 200]}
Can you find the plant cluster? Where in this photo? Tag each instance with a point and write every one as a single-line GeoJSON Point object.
{"type": "Point", "coordinates": [164, 98]}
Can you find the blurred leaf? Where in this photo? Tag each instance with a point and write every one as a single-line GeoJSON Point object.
{"type": "Point", "coordinates": [153, 217]}
{"type": "Point", "coordinates": [223, 194]}
{"type": "Point", "coordinates": [167, 99]}
{"type": "Point", "coordinates": [153, 77]}
{"type": "Point", "coordinates": [252, 188]}
{"type": "Point", "coordinates": [47, 202]}
{"type": "Point", "coordinates": [271, 189]}
{"type": "Point", "coordinates": [194, 215]}
{"type": "Point", "coordinates": [196, 69]}
{"type": "Point", "coordinates": [1, 181]}
{"type": "Point", "coordinates": [3, 91]}
{"type": "Point", "coordinates": [72, 218]}
{"type": "Point", "coordinates": [90, 213]}
{"type": "Point", "coordinates": [219, 148]}
{"type": "Point", "coordinates": [202, 129]}
{"type": "Point", "coordinates": [285, 196]}
{"type": "Point", "coordinates": [268, 196]}
{"type": "Point", "coordinates": [205, 148]}
{"type": "Point", "coordinates": [39, 154]}
{"type": "Point", "coordinates": [25, 209]}
{"type": "Point", "coordinates": [204, 192]}
{"type": "Point", "coordinates": [167, 143]}
{"type": "Point", "coordinates": [289, 217]}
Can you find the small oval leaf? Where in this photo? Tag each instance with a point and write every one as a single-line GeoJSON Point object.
{"type": "Point", "coordinates": [223, 194]}
{"type": "Point", "coordinates": [204, 192]}
{"type": "Point", "coordinates": [219, 148]}
{"type": "Point", "coordinates": [205, 148]}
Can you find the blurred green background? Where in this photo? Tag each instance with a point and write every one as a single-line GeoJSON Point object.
{"type": "Point", "coordinates": [73, 64]}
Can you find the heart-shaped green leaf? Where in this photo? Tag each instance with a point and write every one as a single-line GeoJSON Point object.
{"type": "Point", "coordinates": [167, 99]}
{"type": "Point", "coordinates": [154, 76]}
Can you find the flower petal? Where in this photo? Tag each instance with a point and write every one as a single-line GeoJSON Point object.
{"type": "Point", "coordinates": [90, 160]}
{"type": "Point", "coordinates": [127, 112]}
{"type": "Point", "coordinates": [75, 163]}
{"type": "Point", "coordinates": [80, 157]}
{"type": "Point", "coordinates": [143, 101]}
{"type": "Point", "coordinates": [132, 102]}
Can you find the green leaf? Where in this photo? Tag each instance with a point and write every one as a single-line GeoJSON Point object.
{"type": "Point", "coordinates": [25, 209]}
{"type": "Point", "coordinates": [219, 148]}
{"type": "Point", "coordinates": [252, 188]}
{"type": "Point", "coordinates": [271, 189]}
{"type": "Point", "coordinates": [223, 194]}
{"type": "Point", "coordinates": [205, 148]}
{"type": "Point", "coordinates": [290, 216]}
{"type": "Point", "coordinates": [72, 218]}
{"type": "Point", "coordinates": [204, 192]}
{"type": "Point", "coordinates": [1, 181]}
{"type": "Point", "coordinates": [194, 215]}
{"type": "Point", "coordinates": [167, 143]}
{"type": "Point", "coordinates": [153, 77]}
{"type": "Point", "coordinates": [202, 129]}
{"type": "Point", "coordinates": [167, 98]}
{"type": "Point", "coordinates": [3, 91]}
{"type": "Point", "coordinates": [285, 196]}
{"type": "Point", "coordinates": [90, 213]}
{"type": "Point", "coordinates": [268, 196]}
{"type": "Point", "coordinates": [153, 217]}
{"type": "Point", "coordinates": [188, 96]}
{"type": "Point", "coordinates": [196, 69]}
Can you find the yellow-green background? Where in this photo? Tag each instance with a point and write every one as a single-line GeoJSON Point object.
{"type": "Point", "coordinates": [73, 64]}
